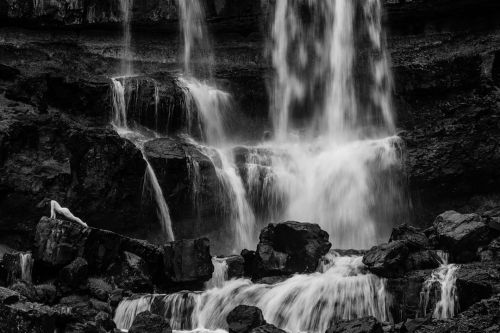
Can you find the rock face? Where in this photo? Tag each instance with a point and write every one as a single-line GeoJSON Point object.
{"type": "Point", "coordinates": [28, 318]}
{"type": "Point", "coordinates": [188, 261]}
{"type": "Point", "coordinates": [413, 237]}
{"type": "Point", "coordinates": [362, 325]}
{"type": "Point", "coordinates": [290, 247]}
{"type": "Point", "coordinates": [461, 234]}
{"type": "Point", "coordinates": [387, 259]}
{"type": "Point", "coordinates": [146, 322]}
{"type": "Point", "coordinates": [75, 274]}
{"type": "Point", "coordinates": [244, 318]}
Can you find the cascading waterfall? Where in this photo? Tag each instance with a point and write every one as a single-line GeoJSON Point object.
{"type": "Point", "coordinates": [26, 263]}
{"type": "Point", "coordinates": [126, 11]}
{"type": "Point", "coordinates": [443, 283]}
{"type": "Point", "coordinates": [119, 122]}
{"type": "Point", "coordinates": [302, 303]}
{"type": "Point", "coordinates": [219, 276]}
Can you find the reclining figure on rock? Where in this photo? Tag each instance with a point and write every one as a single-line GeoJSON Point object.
{"type": "Point", "coordinates": [55, 207]}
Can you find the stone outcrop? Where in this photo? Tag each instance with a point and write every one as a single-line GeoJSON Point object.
{"type": "Point", "coordinates": [361, 325]}
{"type": "Point", "coordinates": [290, 247]}
{"type": "Point", "coordinates": [147, 322]}
{"type": "Point", "coordinates": [28, 318]}
{"type": "Point", "coordinates": [244, 318]}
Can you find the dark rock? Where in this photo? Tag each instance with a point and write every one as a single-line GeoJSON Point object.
{"type": "Point", "coordinates": [290, 247]}
{"type": "Point", "coordinates": [426, 259]}
{"type": "Point", "coordinates": [46, 294]}
{"type": "Point", "coordinates": [99, 289]}
{"type": "Point", "coordinates": [361, 325]}
{"type": "Point", "coordinates": [27, 318]}
{"type": "Point", "coordinates": [235, 267]}
{"type": "Point", "coordinates": [244, 318]}
{"type": "Point", "coordinates": [132, 273]}
{"type": "Point", "coordinates": [8, 296]}
{"type": "Point", "coordinates": [188, 260]}
{"type": "Point", "coordinates": [75, 274]}
{"type": "Point", "coordinates": [475, 282]}
{"type": "Point", "coordinates": [414, 237]}
{"type": "Point", "coordinates": [25, 289]}
{"type": "Point", "coordinates": [250, 262]}
{"type": "Point", "coordinates": [387, 259]}
{"type": "Point", "coordinates": [105, 321]}
{"type": "Point", "coordinates": [12, 264]}
{"type": "Point", "coordinates": [461, 234]}
{"type": "Point", "coordinates": [490, 252]}
{"type": "Point", "coordinates": [116, 297]}
{"type": "Point", "coordinates": [267, 328]}
{"type": "Point", "coordinates": [8, 73]}
{"type": "Point", "coordinates": [146, 322]}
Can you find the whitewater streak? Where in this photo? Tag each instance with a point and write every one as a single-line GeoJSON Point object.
{"type": "Point", "coordinates": [341, 290]}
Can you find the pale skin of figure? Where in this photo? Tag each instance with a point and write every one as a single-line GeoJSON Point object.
{"type": "Point", "coordinates": [55, 207]}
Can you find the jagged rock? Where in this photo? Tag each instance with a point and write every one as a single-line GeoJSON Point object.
{"type": "Point", "coordinates": [235, 267]}
{"type": "Point", "coordinates": [116, 297]}
{"type": "Point", "coordinates": [415, 238]}
{"type": "Point", "coordinates": [426, 259]}
{"type": "Point", "coordinates": [387, 259]}
{"type": "Point", "coordinates": [250, 261]}
{"type": "Point", "coordinates": [8, 296]}
{"type": "Point", "coordinates": [147, 322]}
{"type": "Point", "coordinates": [475, 282]}
{"type": "Point", "coordinates": [100, 289]}
{"type": "Point", "coordinates": [75, 274]}
{"type": "Point", "coordinates": [290, 247]}
{"type": "Point", "coordinates": [244, 318]}
{"type": "Point", "coordinates": [25, 317]}
{"type": "Point", "coordinates": [25, 289]}
{"type": "Point", "coordinates": [188, 261]}
{"type": "Point", "coordinates": [105, 321]}
{"type": "Point", "coordinates": [461, 234]}
{"type": "Point", "coordinates": [132, 273]}
{"type": "Point", "coordinates": [46, 294]}
{"type": "Point", "coordinates": [490, 252]}
{"type": "Point", "coordinates": [267, 328]}
{"type": "Point", "coordinates": [361, 325]}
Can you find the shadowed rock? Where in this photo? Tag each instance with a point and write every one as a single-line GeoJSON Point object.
{"type": "Point", "coordinates": [361, 325]}
{"type": "Point", "coordinates": [146, 322]}
{"type": "Point", "coordinates": [244, 318]}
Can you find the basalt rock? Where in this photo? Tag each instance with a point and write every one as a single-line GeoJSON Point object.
{"type": "Point", "coordinates": [25, 317]}
{"type": "Point", "coordinates": [414, 237]}
{"type": "Point", "coordinates": [361, 325]}
{"type": "Point", "coordinates": [74, 274]}
{"type": "Point", "coordinates": [147, 322]}
{"type": "Point", "coordinates": [188, 261]}
{"type": "Point", "coordinates": [387, 259]}
{"type": "Point", "coordinates": [461, 234]}
{"type": "Point", "coordinates": [290, 247]}
{"type": "Point", "coordinates": [244, 318]}
{"type": "Point", "coordinates": [132, 273]}
{"type": "Point", "coordinates": [235, 267]}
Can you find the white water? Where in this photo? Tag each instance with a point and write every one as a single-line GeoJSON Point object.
{"type": "Point", "coordinates": [126, 11]}
{"type": "Point", "coordinates": [151, 184]}
{"type": "Point", "coordinates": [443, 283]}
{"type": "Point", "coordinates": [302, 303]}
{"type": "Point", "coordinates": [26, 263]}
{"type": "Point", "coordinates": [220, 274]}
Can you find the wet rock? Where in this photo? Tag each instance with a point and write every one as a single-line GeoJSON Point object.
{"type": "Point", "coordinates": [115, 297]}
{"type": "Point", "coordinates": [490, 252]}
{"type": "Point", "coordinates": [46, 294]}
{"type": "Point", "coordinates": [8, 73]}
{"type": "Point", "coordinates": [461, 234]}
{"type": "Point", "coordinates": [250, 261]}
{"type": "Point", "coordinates": [290, 247]}
{"type": "Point", "coordinates": [244, 318]}
{"type": "Point", "coordinates": [475, 282]}
{"type": "Point", "coordinates": [8, 296]}
{"type": "Point", "coordinates": [99, 289]}
{"type": "Point", "coordinates": [146, 322]}
{"type": "Point", "coordinates": [25, 317]}
{"type": "Point", "coordinates": [235, 267]}
{"type": "Point", "coordinates": [267, 328]}
{"type": "Point", "coordinates": [12, 264]}
{"type": "Point", "coordinates": [25, 289]}
{"type": "Point", "coordinates": [132, 273]}
{"type": "Point", "coordinates": [414, 237]}
{"type": "Point", "coordinates": [361, 325]}
{"type": "Point", "coordinates": [105, 321]}
{"type": "Point", "coordinates": [387, 259]}
{"type": "Point", "coordinates": [188, 261]}
{"type": "Point", "coordinates": [75, 274]}
{"type": "Point", "coordinates": [426, 259]}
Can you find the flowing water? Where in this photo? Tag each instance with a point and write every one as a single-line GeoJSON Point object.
{"type": "Point", "coordinates": [441, 283]}
{"type": "Point", "coordinates": [126, 12]}
{"type": "Point", "coordinates": [26, 263]}
{"type": "Point", "coordinates": [342, 290]}
{"type": "Point", "coordinates": [220, 274]}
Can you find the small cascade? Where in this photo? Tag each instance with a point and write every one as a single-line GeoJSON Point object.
{"type": "Point", "coordinates": [442, 283]}
{"type": "Point", "coordinates": [26, 263]}
{"type": "Point", "coordinates": [302, 303]}
{"type": "Point", "coordinates": [138, 138]}
{"type": "Point", "coordinates": [219, 276]}
{"type": "Point", "coordinates": [126, 12]}
{"type": "Point", "coordinates": [129, 308]}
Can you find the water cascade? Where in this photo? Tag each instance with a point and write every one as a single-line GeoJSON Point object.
{"type": "Point", "coordinates": [302, 303]}
{"type": "Point", "coordinates": [219, 276]}
{"type": "Point", "coordinates": [126, 11]}
{"type": "Point", "coordinates": [442, 283]}
{"type": "Point", "coordinates": [26, 263]}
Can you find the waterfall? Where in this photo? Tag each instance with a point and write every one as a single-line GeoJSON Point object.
{"type": "Point", "coordinates": [129, 308]}
{"type": "Point", "coordinates": [443, 283]}
{"type": "Point", "coordinates": [301, 303]}
{"type": "Point", "coordinates": [26, 263]}
{"type": "Point", "coordinates": [119, 122]}
{"type": "Point", "coordinates": [219, 276]}
{"type": "Point", "coordinates": [126, 60]}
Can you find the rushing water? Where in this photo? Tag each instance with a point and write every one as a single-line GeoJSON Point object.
{"type": "Point", "coordinates": [220, 274]}
{"type": "Point", "coordinates": [442, 283]}
{"type": "Point", "coordinates": [342, 290]}
{"type": "Point", "coordinates": [126, 11]}
{"type": "Point", "coordinates": [26, 263]}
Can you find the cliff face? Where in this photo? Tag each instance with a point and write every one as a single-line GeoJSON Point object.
{"type": "Point", "coordinates": [55, 87]}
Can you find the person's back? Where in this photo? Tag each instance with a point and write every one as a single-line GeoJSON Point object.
{"type": "Point", "coordinates": [56, 208]}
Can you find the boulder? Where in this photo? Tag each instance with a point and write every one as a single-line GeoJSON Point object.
{"type": "Point", "coordinates": [27, 290]}
{"type": "Point", "coordinates": [414, 237]}
{"type": "Point", "coordinates": [105, 321]}
{"type": "Point", "coordinates": [249, 258]}
{"type": "Point", "coordinates": [267, 328]}
{"type": "Point", "coordinates": [244, 318]}
{"type": "Point", "coordinates": [132, 273]}
{"type": "Point", "coordinates": [387, 259]}
{"type": "Point", "coordinates": [147, 322]}
{"type": "Point", "coordinates": [46, 294]}
{"type": "Point", "coordinates": [188, 261]}
{"type": "Point", "coordinates": [360, 325]}
{"type": "Point", "coordinates": [75, 274]}
{"type": "Point", "coordinates": [461, 234]}
{"type": "Point", "coordinates": [8, 296]}
{"type": "Point", "coordinates": [490, 252]}
{"type": "Point", "coordinates": [99, 289]}
{"type": "Point", "coordinates": [290, 247]}
{"type": "Point", "coordinates": [476, 281]}
{"type": "Point", "coordinates": [235, 267]}
{"type": "Point", "coordinates": [426, 259]}
{"type": "Point", "coordinates": [25, 317]}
